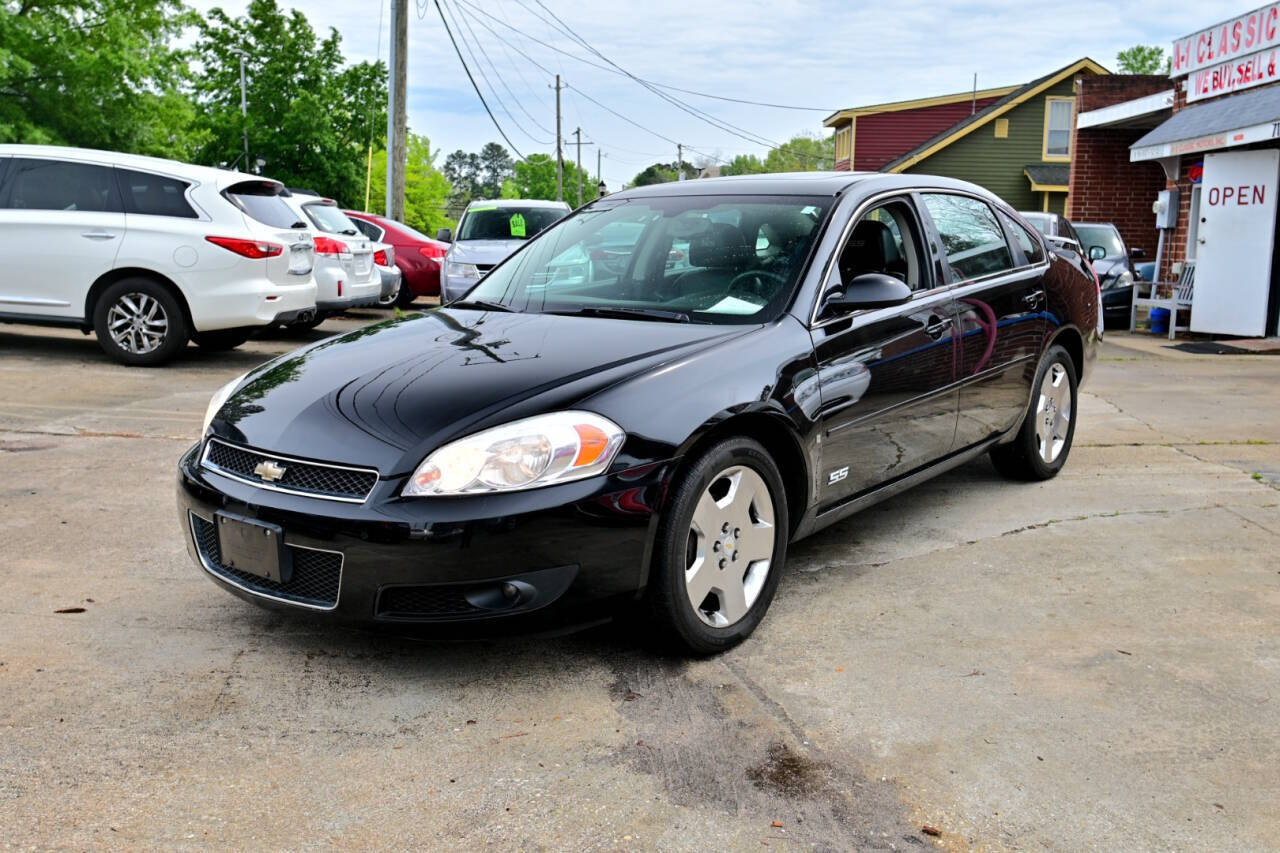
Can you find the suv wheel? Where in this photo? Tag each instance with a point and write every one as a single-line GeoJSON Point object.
{"type": "Point", "coordinates": [720, 549]}
{"type": "Point", "coordinates": [221, 340]}
{"type": "Point", "coordinates": [139, 322]}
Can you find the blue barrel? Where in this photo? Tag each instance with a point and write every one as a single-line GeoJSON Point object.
{"type": "Point", "coordinates": [1159, 321]}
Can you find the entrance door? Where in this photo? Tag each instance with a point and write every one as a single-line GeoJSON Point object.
{"type": "Point", "coordinates": [1237, 236]}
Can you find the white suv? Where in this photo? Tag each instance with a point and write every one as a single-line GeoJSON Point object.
{"type": "Point", "coordinates": [146, 252]}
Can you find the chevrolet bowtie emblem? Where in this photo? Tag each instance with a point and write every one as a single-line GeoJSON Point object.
{"type": "Point", "coordinates": [269, 471]}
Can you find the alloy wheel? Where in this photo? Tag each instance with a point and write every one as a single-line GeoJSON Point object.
{"type": "Point", "coordinates": [137, 323]}
{"type": "Point", "coordinates": [730, 546]}
{"type": "Point", "coordinates": [1053, 413]}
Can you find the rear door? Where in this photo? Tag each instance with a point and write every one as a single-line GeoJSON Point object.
{"type": "Point", "coordinates": [1000, 301]}
{"type": "Point", "coordinates": [61, 226]}
{"type": "Point", "coordinates": [886, 376]}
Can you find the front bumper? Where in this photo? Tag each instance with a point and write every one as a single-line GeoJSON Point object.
{"type": "Point", "coordinates": [450, 562]}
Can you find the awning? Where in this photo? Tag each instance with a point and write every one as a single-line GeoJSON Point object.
{"type": "Point", "coordinates": [1047, 178]}
{"type": "Point", "coordinates": [1234, 120]}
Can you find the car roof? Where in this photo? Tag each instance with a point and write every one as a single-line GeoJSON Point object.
{"type": "Point", "coordinates": [1110, 225]}
{"type": "Point", "coordinates": [518, 202]}
{"type": "Point", "coordinates": [798, 183]}
{"type": "Point", "coordinates": [221, 178]}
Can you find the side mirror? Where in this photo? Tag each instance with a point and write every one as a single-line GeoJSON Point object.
{"type": "Point", "coordinates": [869, 290]}
{"type": "Point", "coordinates": [444, 235]}
{"type": "Point", "coordinates": [1097, 253]}
{"type": "Point", "coordinates": [1137, 253]}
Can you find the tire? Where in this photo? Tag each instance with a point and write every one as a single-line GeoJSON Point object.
{"type": "Point", "coordinates": [150, 328]}
{"type": "Point", "coordinates": [708, 514]}
{"type": "Point", "coordinates": [1045, 426]}
{"type": "Point", "coordinates": [392, 300]}
{"type": "Point", "coordinates": [221, 340]}
{"type": "Point", "coordinates": [404, 299]}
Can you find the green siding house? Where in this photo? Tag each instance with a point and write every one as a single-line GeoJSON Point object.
{"type": "Point", "coordinates": [1019, 147]}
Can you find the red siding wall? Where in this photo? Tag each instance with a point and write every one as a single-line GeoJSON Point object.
{"type": "Point", "coordinates": [882, 137]}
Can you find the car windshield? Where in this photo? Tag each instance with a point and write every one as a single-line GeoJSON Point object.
{"type": "Point", "coordinates": [326, 217]}
{"type": "Point", "coordinates": [1041, 223]}
{"type": "Point", "coordinates": [1101, 235]}
{"type": "Point", "coordinates": [262, 201]}
{"type": "Point", "coordinates": [491, 222]}
{"type": "Point", "coordinates": [701, 258]}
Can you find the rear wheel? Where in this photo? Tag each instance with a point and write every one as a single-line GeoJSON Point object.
{"type": "Point", "coordinates": [1040, 449]}
{"type": "Point", "coordinates": [720, 550]}
{"type": "Point", "coordinates": [222, 339]}
{"type": "Point", "coordinates": [392, 298]}
{"type": "Point", "coordinates": [139, 322]}
{"type": "Point", "coordinates": [405, 297]}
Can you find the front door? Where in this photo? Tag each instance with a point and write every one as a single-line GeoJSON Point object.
{"type": "Point", "coordinates": [1236, 237]}
{"type": "Point", "coordinates": [885, 375]}
{"type": "Point", "coordinates": [61, 226]}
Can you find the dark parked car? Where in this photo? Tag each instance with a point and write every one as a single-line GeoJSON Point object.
{"type": "Point", "coordinates": [1113, 262]}
{"type": "Point", "coordinates": [656, 436]}
{"type": "Point", "coordinates": [1055, 228]}
{"type": "Point", "coordinates": [418, 256]}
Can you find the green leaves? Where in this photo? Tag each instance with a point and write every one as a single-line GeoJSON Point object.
{"type": "Point", "coordinates": [1142, 59]}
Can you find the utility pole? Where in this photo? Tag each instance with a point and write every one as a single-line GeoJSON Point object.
{"type": "Point", "coordinates": [577, 131]}
{"type": "Point", "coordinates": [244, 106]}
{"type": "Point", "coordinates": [679, 162]}
{"type": "Point", "coordinates": [559, 155]}
{"type": "Point", "coordinates": [599, 154]}
{"type": "Point", "coordinates": [397, 102]}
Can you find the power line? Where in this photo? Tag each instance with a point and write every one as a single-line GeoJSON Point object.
{"type": "Point", "coordinates": [494, 68]}
{"type": "Point", "coordinates": [479, 94]}
{"type": "Point", "coordinates": [493, 89]}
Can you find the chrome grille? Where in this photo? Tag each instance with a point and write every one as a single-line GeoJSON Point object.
{"type": "Point", "coordinates": [316, 578]}
{"type": "Point", "coordinates": [333, 482]}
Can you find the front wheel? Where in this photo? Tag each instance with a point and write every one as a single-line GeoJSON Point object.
{"type": "Point", "coordinates": [721, 546]}
{"type": "Point", "coordinates": [1040, 449]}
{"type": "Point", "coordinates": [139, 322]}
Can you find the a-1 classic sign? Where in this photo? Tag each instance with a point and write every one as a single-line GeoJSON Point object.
{"type": "Point", "coordinates": [1236, 54]}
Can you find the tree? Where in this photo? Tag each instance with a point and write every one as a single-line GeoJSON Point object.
{"type": "Point", "coordinates": [310, 117]}
{"type": "Point", "coordinates": [743, 164]}
{"type": "Point", "coordinates": [802, 153]}
{"type": "Point", "coordinates": [536, 178]}
{"type": "Point", "coordinates": [496, 166]}
{"type": "Point", "coordinates": [463, 171]}
{"type": "Point", "coordinates": [426, 189]}
{"type": "Point", "coordinates": [95, 73]}
{"type": "Point", "coordinates": [661, 173]}
{"type": "Point", "coordinates": [1142, 59]}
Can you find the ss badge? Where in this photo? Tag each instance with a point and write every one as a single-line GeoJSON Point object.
{"type": "Point", "coordinates": [837, 475]}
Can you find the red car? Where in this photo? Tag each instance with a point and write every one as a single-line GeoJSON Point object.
{"type": "Point", "coordinates": [418, 256]}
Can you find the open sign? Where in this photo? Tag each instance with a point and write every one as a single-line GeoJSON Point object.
{"type": "Point", "coordinates": [1241, 195]}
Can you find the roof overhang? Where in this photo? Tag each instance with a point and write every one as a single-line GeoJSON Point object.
{"type": "Point", "coordinates": [1225, 123]}
{"type": "Point", "coordinates": [1144, 112]}
{"type": "Point", "coordinates": [842, 116]}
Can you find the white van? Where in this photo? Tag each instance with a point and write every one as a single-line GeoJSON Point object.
{"type": "Point", "coordinates": [148, 253]}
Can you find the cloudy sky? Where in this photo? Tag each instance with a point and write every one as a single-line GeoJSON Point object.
{"type": "Point", "coordinates": [827, 54]}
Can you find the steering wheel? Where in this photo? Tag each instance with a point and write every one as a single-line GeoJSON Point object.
{"type": "Point", "coordinates": [758, 275]}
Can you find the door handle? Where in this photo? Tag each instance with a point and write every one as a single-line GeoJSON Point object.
{"type": "Point", "coordinates": [937, 325]}
{"type": "Point", "coordinates": [1033, 299]}
{"type": "Point", "coordinates": [98, 235]}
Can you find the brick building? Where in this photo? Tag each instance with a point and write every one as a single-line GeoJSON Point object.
{"type": "Point", "coordinates": [1214, 134]}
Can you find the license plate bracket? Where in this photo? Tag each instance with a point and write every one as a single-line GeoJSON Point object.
{"type": "Point", "coordinates": [253, 546]}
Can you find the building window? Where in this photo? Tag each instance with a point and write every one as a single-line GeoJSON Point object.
{"type": "Point", "coordinates": [1057, 128]}
{"type": "Point", "coordinates": [1002, 128]}
{"type": "Point", "coordinates": [844, 136]}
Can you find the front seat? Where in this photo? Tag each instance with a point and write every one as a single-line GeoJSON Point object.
{"type": "Point", "coordinates": [720, 252]}
{"type": "Point", "coordinates": [871, 248]}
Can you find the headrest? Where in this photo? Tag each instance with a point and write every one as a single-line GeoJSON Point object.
{"type": "Point", "coordinates": [870, 249]}
{"type": "Point", "coordinates": [720, 246]}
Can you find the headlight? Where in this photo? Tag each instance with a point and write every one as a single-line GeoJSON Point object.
{"type": "Point", "coordinates": [463, 270]}
{"type": "Point", "coordinates": [1125, 279]}
{"type": "Point", "coordinates": [219, 397]}
{"type": "Point", "coordinates": [526, 454]}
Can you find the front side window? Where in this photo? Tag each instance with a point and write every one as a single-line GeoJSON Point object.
{"type": "Point", "coordinates": [1057, 128]}
{"type": "Point", "coordinates": [884, 241]}
{"type": "Point", "coordinates": [971, 237]}
{"type": "Point", "coordinates": [154, 195]}
{"type": "Point", "coordinates": [261, 200]}
{"type": "Point", "coordinates": [491, 222]}
{"type": "Point", "coordinates": [682, 258]}
{"type": "Point", "coordinates": [62, 185]}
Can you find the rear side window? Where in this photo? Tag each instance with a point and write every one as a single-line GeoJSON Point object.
{"type": "Point", "coordinates": [373, 232]}
{"type": "Point", "coordinates": [154, 195]}
{"type": "Point", "coordinates": [61, 185]}
{"type": "Point", "coordinates": [971, 237]}
{"type": "Point", "coordinates": [1030, 246]}
{"type": "Point", "coordinates": [262, 201]}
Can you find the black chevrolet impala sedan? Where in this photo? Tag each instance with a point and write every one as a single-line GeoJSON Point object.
{"type": "Point", "coordinates": [645, 405]}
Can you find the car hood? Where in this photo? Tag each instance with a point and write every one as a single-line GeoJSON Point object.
{"type": "Point", "coordinates": [387, 394]}
{"type": "Point", "coordinates": [482, 251]}
{"type": "Point", "coordinates": [1109, 267]}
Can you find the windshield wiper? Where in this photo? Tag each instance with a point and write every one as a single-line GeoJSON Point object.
{"type": "Point", "coordinates": [481, 303]}
{"type": "Point", "coordinates": [626, 313]}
